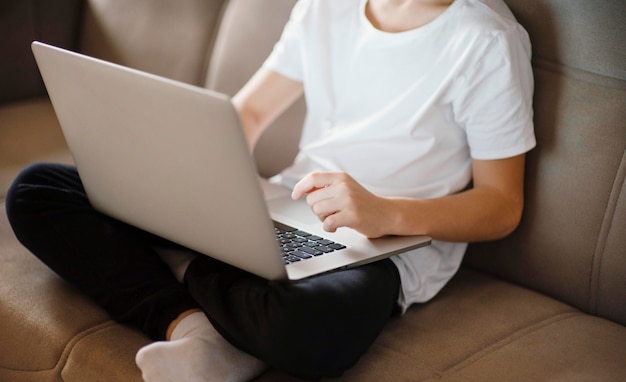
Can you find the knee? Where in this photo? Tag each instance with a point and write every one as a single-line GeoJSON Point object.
{"type": "Point", "coordinates": [314, 342]}
{"type": "Point", "coordinates": [322, 326]}
{"type": "Point", "coordinates": [33, 174]}
{"type": "Point", "coordinates": [28, 193]}
{"type": "Point", "coordinates": [17, 194]}
{"type": "Point", "coordinates": [35, 171]}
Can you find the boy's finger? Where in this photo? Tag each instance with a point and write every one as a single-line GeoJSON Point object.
{"type": "Point", "coordinates": [311, 183]}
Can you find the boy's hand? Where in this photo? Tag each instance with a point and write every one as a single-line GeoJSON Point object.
{"type": "Point", "coordinates": [340, 201]}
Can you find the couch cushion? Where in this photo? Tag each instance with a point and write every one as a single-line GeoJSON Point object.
{"type": "Point", "coordinates": [574, 347]}
{"type": "Point", "coordinates": [569, 244]}
{"type": "Point", "coordinates": [29, 132]}
{"type": "Point", "coordinates": [21, 22]}
{"type": "Point", "coordinates": [167, 38]}
{"type": "Point", "coordinates": [482, 329]}
{"type": "Point", "coordinates": [578, 34]}
{"type": "Point", "coordinates": [606, 282]}
{"type": "Point", "coordinates": [244, 39]}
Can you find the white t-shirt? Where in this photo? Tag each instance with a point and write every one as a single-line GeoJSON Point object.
{"type": "Point", "coordinates": [405, 113]}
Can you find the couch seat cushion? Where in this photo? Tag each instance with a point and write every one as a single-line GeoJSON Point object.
{"type": "Point", "coordinates": [29, 132]}
{"type": "Point", "coordinates": [482, 329]}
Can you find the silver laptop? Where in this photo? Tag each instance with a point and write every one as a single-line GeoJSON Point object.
{"type": "Point", "coordinates": [172, 159]}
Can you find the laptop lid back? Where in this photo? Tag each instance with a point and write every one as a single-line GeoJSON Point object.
{"type": "Point", "coordinates": [147, 153]}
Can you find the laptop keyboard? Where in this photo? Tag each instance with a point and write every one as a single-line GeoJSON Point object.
{"type": "Point", "coordinates": [297, 245]}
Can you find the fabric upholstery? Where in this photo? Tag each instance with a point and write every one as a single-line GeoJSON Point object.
{"type": "Point", "coordinates": [577, 34]}
{"type": "Point", "coordinates": [562, 247]}
{"type": "Point", "coordinates": [607, 283]}
{"type": "Point", "coordinates": [239, 50]}
{"type": "Point", "coordinates": [29, 132]}
{"type": "Point", "coordinates": [167, 38]}
{"type": "Point", "coordinates": [480, 329]}
{"type": "Point", "coordinates": [21, 22]}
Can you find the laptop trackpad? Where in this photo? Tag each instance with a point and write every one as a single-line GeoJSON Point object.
{"type": "Point", "coordinates": [286, 210]}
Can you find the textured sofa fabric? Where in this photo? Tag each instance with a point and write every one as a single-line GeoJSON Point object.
{"type": "Point", "coordinates": [547, 303]}
{"type": "Point", "coordinates": [571, 242]}
{"type": "Point", "coordinates": [22, 22]}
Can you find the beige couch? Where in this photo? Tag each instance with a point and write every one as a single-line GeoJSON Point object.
{"type": "Point", "coordinates": [547, 303]}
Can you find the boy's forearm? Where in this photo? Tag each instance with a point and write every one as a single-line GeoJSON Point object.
{"type": "Point", "coordinates": [479, 214]}
{"type": "Point", "coordinates": [264, 97]}
{"type": "Point", "coordinates": [251, 126]}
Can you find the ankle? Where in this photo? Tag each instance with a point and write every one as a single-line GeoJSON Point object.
{"type": "Point", "coordinates": [177, 320]}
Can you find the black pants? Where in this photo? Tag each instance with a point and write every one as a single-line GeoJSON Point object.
{"type": "Point", "coordinates": [310, 328]}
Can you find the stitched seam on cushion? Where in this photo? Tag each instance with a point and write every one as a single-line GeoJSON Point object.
{"type": "Point", "coordinates": [579, 74]}
{"type": "Point", "coordinates": [605, 229]}
{"type": "Point", "coordinates": [77, 338]}
{"type": "Point", "coordinates": [408, 359]}
{"type": "Point", "coordinates": [204, 76]}
{"type": "Point", "coordinates": [67, 350]}
{"type": "Point", "coordinates": [515, 336]}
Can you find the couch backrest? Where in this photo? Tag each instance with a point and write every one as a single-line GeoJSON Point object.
{"type": "Point", "coordinates": [21, 22]}
{"type": "Point", "coordinates": [572, 241]}
{"type": "Point", "coordinates": [247, 33]}
{"type": "Point", "coordinates": [167, 38]}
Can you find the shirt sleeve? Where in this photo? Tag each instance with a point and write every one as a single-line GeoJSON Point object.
{"type": "Point", "coordinates": [286, 56]}
{"type": "Point", "coordinates": [495, 102]}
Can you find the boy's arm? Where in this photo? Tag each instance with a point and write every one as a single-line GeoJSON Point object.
{"type": "Point", "coordinates": [264, 97]}
{"type": "Point", "coordinates": [490, 210]}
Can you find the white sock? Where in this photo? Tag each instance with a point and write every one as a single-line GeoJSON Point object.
{"type": "Point", "coordinates": [177, 260]}
{"type": "Point", "coordinates": [196, 353]}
